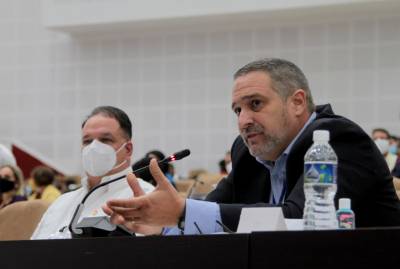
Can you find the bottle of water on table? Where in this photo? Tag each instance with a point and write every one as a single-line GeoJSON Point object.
{"type": "Point", "coordinates": [320, 165]}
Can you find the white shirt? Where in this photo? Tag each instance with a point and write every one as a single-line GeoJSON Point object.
{"type": "Point", "coordinates": [55, 221]}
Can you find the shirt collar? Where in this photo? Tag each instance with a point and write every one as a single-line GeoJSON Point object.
{"type": "Point", "coordinates": [85, 183]}
{"type": "Point", "coordinates": [310, 119]}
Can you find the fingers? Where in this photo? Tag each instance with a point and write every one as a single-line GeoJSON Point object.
{"type": "Point", "coordinates": [114, 218]}
{"type": "Point", "coordinates": [143, 229]}
{"type": "Point", "coordinates": [123, 210]}
{"type": "Point", "coordinates": [132, 203]}
{"type": "Point", "coordinates": [134, 184]}
{"type": "Point", "coordinates": [107, 210]}
{"type": "Point", "coordinates": [117, 219]}
{"type": "Point", "coordinates": [157, 174]}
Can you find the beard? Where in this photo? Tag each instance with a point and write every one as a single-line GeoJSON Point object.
{"type": "Point", "coordinates": [270, 142]}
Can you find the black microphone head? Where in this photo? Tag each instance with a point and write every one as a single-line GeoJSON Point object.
{"type": "Point", "coordinates": [179, 155]}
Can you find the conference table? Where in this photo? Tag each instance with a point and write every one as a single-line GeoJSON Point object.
{"type": "Point", "coordinates": [285, 249]}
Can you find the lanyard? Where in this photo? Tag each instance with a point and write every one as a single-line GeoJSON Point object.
{"type": "Point", "coordinates": [281, 197]}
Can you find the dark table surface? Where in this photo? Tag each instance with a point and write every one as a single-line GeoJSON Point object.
{"type": "Point", "coordinates": [360, 248]}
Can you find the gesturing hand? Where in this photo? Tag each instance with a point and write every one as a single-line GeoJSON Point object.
{"type": "Point", "coordinates": [162, 207]}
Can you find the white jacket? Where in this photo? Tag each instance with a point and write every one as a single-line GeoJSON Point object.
{"type": "Point", "coordinates": [55, 221]}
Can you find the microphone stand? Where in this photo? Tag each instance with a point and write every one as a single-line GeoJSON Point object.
{"type": "Point", "coordinates": [77, 232]}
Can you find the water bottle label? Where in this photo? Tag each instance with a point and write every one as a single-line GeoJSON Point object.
{"type": "Point", "coordinates": [320, 172]}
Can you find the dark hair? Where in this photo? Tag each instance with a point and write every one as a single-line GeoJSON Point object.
{"type": "Point", "coordinates": [285, 76]}
{"type": "Point", "coordinates": [222, 167]}
{"type": "Point", "coordinates": [158, 154]}
{"type": "Point", "coordinates": [43, 176]}
{"type": "Point", "coordinates": [382, 131]}
{"type": "Point", "coordinates": [394, 137]}
{"type": "Point", "coordinates": [115, 113]}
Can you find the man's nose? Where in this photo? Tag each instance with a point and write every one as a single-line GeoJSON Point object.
{"type": "Point", "coordinates": [245, 119]}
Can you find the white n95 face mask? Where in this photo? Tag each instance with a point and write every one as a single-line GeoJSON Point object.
{"type": "Point", "coordinates": [98, 158]}
{"type": "Point", "coordinates": [383, 145]}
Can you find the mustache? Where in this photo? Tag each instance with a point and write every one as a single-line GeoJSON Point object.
{"type": "Point", "coordinates": [255, 128]}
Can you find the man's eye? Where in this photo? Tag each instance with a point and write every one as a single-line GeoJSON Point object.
{"type": "Point", "coordinates": [255, 104]}
{"type": "Point", "coordinates": [237, 110]}
{"type": "Point", "coordinates": [86, 142]}
{"type": "Point", "coordinates": [106, 140]}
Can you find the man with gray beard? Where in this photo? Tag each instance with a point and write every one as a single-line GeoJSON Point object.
{"type": "Point", "coordinates": [276, 119]}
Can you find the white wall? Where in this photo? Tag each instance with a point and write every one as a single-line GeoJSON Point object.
{"type": "Point", "coordinates": [176, 85]}
{"type": "Point", "coordinates": [71, 14]}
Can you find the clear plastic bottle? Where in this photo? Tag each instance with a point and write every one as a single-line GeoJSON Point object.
{"type": "Point", "coordinates": [320, 164]}
{"type": "Point", "coordinates": [345, 215]}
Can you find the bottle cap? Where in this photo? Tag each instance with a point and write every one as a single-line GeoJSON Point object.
{"type": "Point", "coordinates": [344, 203]}
{"type": "Point", "coordinates": [321, 135]}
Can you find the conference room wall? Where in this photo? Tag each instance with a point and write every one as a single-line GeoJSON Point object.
{"type": "Point", "coordinates": [176, 84]}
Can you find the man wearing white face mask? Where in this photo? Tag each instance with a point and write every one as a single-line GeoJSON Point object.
{"type": "Point", "coordinates": [106, 154]}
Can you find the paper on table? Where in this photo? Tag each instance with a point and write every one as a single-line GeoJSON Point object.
{"type": "Point", "coordinates": [261, 219]}
{"type": "Point", "coordinates": [294, 224]}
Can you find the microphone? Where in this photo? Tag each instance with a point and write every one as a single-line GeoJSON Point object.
{"type": "Point", "coordinates": [78, 231]}
{"type": "Point", "coordinates": [175, 157]}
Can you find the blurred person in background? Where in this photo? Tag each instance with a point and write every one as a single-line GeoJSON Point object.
{"type": "Point", "coordinates": [225, 165]}
{"type": "Point", "coordinates": [11, 184]}
{"type": "Point", "coordinates": [394, 142]}
{"type": "Point", "coordinates": [222, 168]}
{"type": "Point", "coordinates": [381, 138]}
{"type": "Point", "coordinates": [43, 178]}
{"type": "Point", "coordinates": [170, 174]}
{"type": "Point", "coordinates": [67, 183]}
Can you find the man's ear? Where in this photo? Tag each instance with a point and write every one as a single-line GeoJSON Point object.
{"type": "Point", "coordinates": [298, 102]}
{"type": "Point", "coordinates": [129, 147]}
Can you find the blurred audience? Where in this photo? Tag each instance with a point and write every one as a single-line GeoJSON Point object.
{"type": "Point", "coordinates": [43, 178]}
{"type": "Point", "coordinates": [394, 142]}
{"type": "Point", "coordinates": [225, 165]}
{"type": "Point", "coordinates": [170, 174]}
{"type": "Point", "coordinates": [11, 184]}
{"type": "Point", "coordinates": [382, 139]}
{"type": "Point", "coordinates": [67, 183]}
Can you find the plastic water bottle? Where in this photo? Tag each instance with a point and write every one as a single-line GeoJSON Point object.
{"type": "Point", "coordinates": [320, 164]}
{"type": "Point", "coordinates": [345, 215]}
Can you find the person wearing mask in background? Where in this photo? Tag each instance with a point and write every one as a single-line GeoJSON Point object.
{"type": "Point", "coordinates": [44, 190]}
{"type": "Point", "coordinates": [381, 137]}
{"type": "Point", "coordinates": [11, 182]}
{"type": "Point", "coordinates": [276, 119]}
{"type": "Point", "coordinates": [394, 145]}
{"type": "Point", "coordinates": [394, 149]}
{"type": "Point", "coordinates": [106, 154]}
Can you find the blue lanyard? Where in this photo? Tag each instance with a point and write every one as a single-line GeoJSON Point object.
{"type": "Point", "coordinates": [282, 196]}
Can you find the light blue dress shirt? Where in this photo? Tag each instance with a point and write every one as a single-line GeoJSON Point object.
{"type": "Point", "coordinates": [206, 214]}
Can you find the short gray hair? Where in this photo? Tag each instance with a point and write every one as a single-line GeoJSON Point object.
{"type": "Point", "coordinates": [285, 76]}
